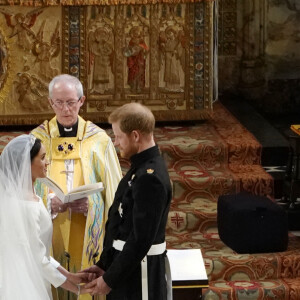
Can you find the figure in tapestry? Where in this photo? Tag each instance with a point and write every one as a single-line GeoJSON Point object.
{"type": "Point", "coordinates": [21, 26]}
{"type": "Point", "coordinates": [101, 59]}
{"type": "Point", "coordinates": [31, 93]}
{"type": "Point", "coordinates": [45, 51]}
{"type": "Point", "coordinates": [171, 43]}
{"type": "Point", "coordinates": [136, 52]}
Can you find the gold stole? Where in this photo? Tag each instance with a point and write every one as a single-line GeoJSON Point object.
{"type": "Point", "coordinates": [69, 228]}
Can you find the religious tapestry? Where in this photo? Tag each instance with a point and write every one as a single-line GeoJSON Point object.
{"type": "Point", "coordinates": [161, 55]}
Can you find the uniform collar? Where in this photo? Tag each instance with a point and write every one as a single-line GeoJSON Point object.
{"type": "Point", "coordinates": [139, 158]}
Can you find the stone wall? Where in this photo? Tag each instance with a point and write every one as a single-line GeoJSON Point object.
{"type": "Point", "coordinates": [259, 52]}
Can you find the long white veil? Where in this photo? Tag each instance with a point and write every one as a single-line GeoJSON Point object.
{"type": "Point", "coordinates": [20, 268]}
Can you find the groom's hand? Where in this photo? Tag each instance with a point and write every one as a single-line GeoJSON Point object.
{"type": "Point", "coordinates": [98, 287]}
{"type": "Point", "coordinates": [91, 273]}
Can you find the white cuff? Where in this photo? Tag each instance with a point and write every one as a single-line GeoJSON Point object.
{"type": "Point", "coordinates": [54, 262]}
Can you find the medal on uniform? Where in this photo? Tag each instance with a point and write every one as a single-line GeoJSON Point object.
{"type": "Point", "coordinates": [130, 181]}
{"type": "Point", "coordinates": [120, 209]}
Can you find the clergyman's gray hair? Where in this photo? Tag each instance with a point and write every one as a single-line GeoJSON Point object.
{"type": "Point", "coordinates": [67, 79]}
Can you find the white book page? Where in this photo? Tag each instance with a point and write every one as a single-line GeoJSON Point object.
{"type": "Point", "coordinates": [74, 194]}
{"type": "Point", "coordinates": [82, 191]}
{"type": "Point", "coordinates": [186, 264]}
{"type": "Point", "coordinates": [87, 187]}
{"type": "Point", "coordinates": [52, 185]}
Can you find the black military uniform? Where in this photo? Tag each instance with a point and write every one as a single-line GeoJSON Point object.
{"type": "Point", "coordinates": [138, 216]}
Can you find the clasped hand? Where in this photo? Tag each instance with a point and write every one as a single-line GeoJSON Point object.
{"type": "Point", "coordinates": [95, 285]}
{"type": "Point", "coordinates": [77, 206]}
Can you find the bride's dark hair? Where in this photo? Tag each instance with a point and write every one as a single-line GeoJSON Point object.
{"type": "Point", "coordinates": [35, 149]}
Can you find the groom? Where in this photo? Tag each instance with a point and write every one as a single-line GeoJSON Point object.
{"type": "Point", "coordinates": [132, 264]}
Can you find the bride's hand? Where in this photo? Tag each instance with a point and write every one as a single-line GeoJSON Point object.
{"type": "Point", "coordinates": [78, 278]}
{"type": "Point", "coordinates": [57, 206]}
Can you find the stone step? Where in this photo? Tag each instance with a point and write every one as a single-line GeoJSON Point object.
{"type": "Point", "coordinates": [222, 263]}
{"type": "Point", "coordinates": [194, 214]}
{"type": "Point", "coordinates": [278, 289]}
{"type": "Point", "coordinates": [242, 146]}
{"type": "Point", "coordinates": [208, 143]}
{"type": "Point", "coordinates": [253, 179]}
{"type": "Point", "coordinates": [196, 191]}
{"type": "Point", "coordinates": [189, 175]}
{"type": "Point", "coordinates": [199, 142]}
{"type": "Point", "coordinates": [275, 146]}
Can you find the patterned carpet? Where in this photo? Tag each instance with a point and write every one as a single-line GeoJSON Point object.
{"type": "Point", "coordinates": [206, 160]}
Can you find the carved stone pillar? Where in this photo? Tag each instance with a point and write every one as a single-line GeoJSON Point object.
{"type": "Point", "coordinates": [252, 76]}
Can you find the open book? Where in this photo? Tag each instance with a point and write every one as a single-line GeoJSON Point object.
{"type": "Point", "coordinates": [74, 194]}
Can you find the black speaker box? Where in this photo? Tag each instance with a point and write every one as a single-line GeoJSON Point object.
{"type": "Point", "coordinates": [252, 224]}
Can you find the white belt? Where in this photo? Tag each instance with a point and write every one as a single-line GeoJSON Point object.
{"type": "Point", "coordinates": [154, 250]}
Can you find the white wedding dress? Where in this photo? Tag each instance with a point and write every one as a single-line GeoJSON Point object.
{"type": "Point", "coordinates": [26, 268]}
{"type": "Point", "coordinates": [42, 223]}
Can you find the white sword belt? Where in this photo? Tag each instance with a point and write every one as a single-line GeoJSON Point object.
{"type": "Point", "coordinates": [154, 250]}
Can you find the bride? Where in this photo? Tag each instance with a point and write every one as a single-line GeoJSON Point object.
{"type": "Point", "coordinates": [26, 268]}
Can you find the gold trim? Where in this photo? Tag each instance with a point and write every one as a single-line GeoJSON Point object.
{"type": "Point", "coordinates": [65, 40]}
{"type": "Point", "coordinates": [190, 286]}
{"type": "Point", "coordinates": [191, 115]}
{"type": "Point", "coordinates": [92, 2]}
{"type": "Point", "coordinates": [24, 119]}
{"type": "Point", "coordinates": [11, 66]}
{"type": "Point", "coordinates": [126, 2]}
{"type": "Point", "coordinates": [210, 52]}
